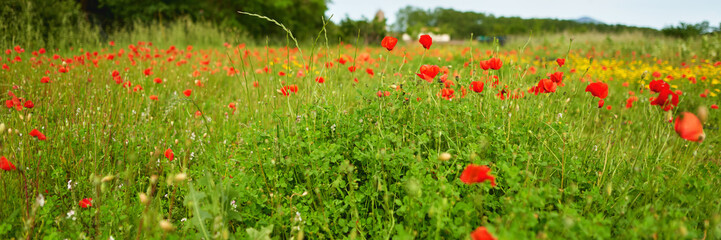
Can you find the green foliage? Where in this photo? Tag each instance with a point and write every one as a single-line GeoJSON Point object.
{"type": "Point", "coordinates": [67, 23]}
{"type": "Point", "coordinates": [369, 31]}
{"type": "Point", "coordinates": [335, 160]}
{"type": "Point", "coordinates": [43, 23]}
{"type": "Point", "coordinates": [687, 30]}
{"type": "Point", "coordinates": [461, 25]}
{"type": "Point", "coordinates": [302, 17]}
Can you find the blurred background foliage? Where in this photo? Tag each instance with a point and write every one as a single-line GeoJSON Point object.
{"type": "Point", "coordinates": [66, 23]}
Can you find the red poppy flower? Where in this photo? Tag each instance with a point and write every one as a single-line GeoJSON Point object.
{"type": "Point", "coordinates": [34, 133]}
{"type": "Point", "coordinates": [169, 154]}
{"type": "Point", "coordinates": [153, 97]}
{"type": "Point", "coordinates": [447, 93]}
{"type": "Point", "coordinates": [428, 72]}
{"type": "Point", "coordinates": [447, 83]}
{"type": "Point", "coordinates": [689, 127]}
{"type": "Point", "coordinates": [187, 92]}
{"type": "Point", "coordinates": [232, 106]}
{"type": "Point", "coordinates": [320, 79]}
{"type": "Point", "coordinates": [598, 89]}
{"type": "Point", "coordinates": [656, 74]}
{"type": "Point", "coordinates": [86, 203]}
{"type": "Point", "coordinates": [5, 164]}
{"type": "Point", "coordinates": [561, 61]}
{"type": "Point", "coordinates": [389, 42]}
{"type": "Point", "coordinates": [495, 63]}
{"type": "Point", "coordinates": [477, 86]}
{"type": "Point", "coordinates": [287, 90]}
{"type": "Point", "coordinates": [45, 79]}
{"type": "Point", "coordinates": [370, 71]}
{"type": "Point", "coordinates": [630, 100]}
{"type": "Point", "coordinates": [557, 77]}
{"type": "Point", "coordinates": [158, 80]}
{"type": "Point", "coordinates": [426, 41]}
{"type": "Point", "coordinates": [714, 106]}
{"type": "Point", "coordinates": [147, 71]}
{"type": "Point", "coordinates": [658, 86]}
{"type": "Point", "coordinates": [662, 100]}
{"type": "Point", "coordinates": [600, 103]}
{"type": "Point", "coordinates": [481, 233]}
{"type": "Point", "coordinates": [548, 85]}
{"type": "Point", "coordinates": [351, 68]}
{"type": "Point", "coordinates": [29, 104]}
{"type": "Point", "coordinates": [484, 65]}
{"type": "Point", "coordinates": [37, 134]}
{"type": "Point", "coordinates": [476, 174]}
{"type": "Point", "coordinates": [383, 93]}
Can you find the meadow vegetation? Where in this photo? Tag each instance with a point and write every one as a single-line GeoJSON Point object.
{"type": "Point", "coordinates": [186, 131]}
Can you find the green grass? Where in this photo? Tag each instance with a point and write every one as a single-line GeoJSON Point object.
{"type": "Point", "coordinates": [335, 161]}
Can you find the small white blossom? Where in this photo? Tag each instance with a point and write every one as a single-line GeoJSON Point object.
{"type": "Point", "coordinates": [40, 200]}
{"type": "Point", "coordinates": [71, 215]}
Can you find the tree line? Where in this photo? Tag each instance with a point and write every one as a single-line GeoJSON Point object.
{"type": "Point", "coordinates": [55, 22]}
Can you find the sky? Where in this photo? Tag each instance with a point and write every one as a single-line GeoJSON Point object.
{"type": "Point", "coordinates": [643, 13]}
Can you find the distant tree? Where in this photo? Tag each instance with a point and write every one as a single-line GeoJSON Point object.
{"type": "Point", "coordinates": [371, 31]}
{"type": "Point", "coordinates": [462, 24]}
{"type": "Point", "coordinates": [687, 30]}
{"type": "Point", "coordinates": [302, 17]}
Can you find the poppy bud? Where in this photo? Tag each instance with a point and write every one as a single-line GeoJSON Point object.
{"type": "Point", "coordinates": [166, 225]}
{"type": "Point", "coordinates": [107, 178]}
{"type": "Point", "coordinates": [702, 113]}
{"type": "Point", "coordinates": [143, 198]}
{"type": "Point", "coordinates": [180, 177]}
{"type": "Point", "coordinates": [153, 179]}
{"type": "Point", "coordinates": [444, 156]}
{"type": "Point", "coordinates": [2, 127]}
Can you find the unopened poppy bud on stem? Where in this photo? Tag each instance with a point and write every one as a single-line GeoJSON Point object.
{"type": "Point", "coordinates": [702, 113]}
{"type": "Point", "coordinates": [107, 178]}
{"type": "Point", "coordinates": [153, 179]}
{"type": "Point", "coordinates": [143, 198]}
{"type": "Point", "coordinates": [180, 177]}
{"type": "Point", "coordinates": [166, 225]}
{"type": "Point", "coordinates": [444, 156]}
{"type": "Point", "coordinates": [2, 127]}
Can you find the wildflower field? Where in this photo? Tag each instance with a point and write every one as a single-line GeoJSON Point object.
{"type": "Point", "coordinates": [553, 139]}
